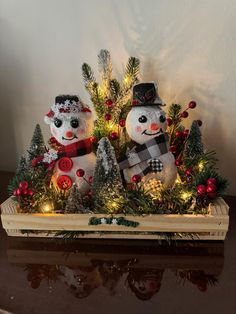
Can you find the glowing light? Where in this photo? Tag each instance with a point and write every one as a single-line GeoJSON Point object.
{"type": "Point", "coordinates": [111, 126]}
{"type": "Point", "coordinates": [127, 80]}
{"type": "Point", "coordinates": [114, 204]}
{"type": "Point", "coordinates": [47, 208]}
{"type": "Point", "coordinates": [201, 166]}
{"type": "Point", "coordinates": [186, 195]}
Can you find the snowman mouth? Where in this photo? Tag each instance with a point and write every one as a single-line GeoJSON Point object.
{"type": "Point", "coordinates": [150, 134]}
{"type": "Point", "coordinates": [69, 139]}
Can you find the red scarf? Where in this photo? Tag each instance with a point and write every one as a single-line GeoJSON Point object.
{"type": "Point", "coordinates": [79, 148]}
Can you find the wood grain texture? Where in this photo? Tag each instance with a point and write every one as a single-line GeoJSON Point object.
{"type": "Point", "coordinates": [211, 226]}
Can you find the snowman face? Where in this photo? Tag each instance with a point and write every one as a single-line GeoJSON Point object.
{"type": "Point", "coordinates": [70, 128]}
{"type": "Point", "coordinates": [145, 123]}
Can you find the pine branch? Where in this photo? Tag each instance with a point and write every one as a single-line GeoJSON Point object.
{"type": "Point", "coordinates": [104, 64]}
{"type": "Point", "coordinates": [132, 70]}
{"type": "Point", "coordinates": [87, 74]}
{"type": "Point", "coordinates": [89, 79]}
{"type": "Point", "coordinates": [115, 89]}
{"type": "Point", "coordinates": [174, 115]}
{"type": "Point", "coordinates": [105, 69]}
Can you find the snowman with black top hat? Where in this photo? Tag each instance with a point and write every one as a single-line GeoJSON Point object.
{"type": "Point", "coordinates": [150, 159]}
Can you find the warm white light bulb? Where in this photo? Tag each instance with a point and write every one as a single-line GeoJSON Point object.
{"type": "Point", "coordinates": [46, 208]}
{"type": "Point", "coordinates": [201, 166]}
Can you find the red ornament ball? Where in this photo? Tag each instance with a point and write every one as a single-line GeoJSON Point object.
{"type": "Point", "coordinates": [201, 189]}
{"type": "Point", "coordinates": [109, 103]}
{"type": "Point", "coordinates": [189, 171]}
{"type": "Point", "coordinates": [178, 134]}
{"type": "Point", "coordinates": [184, 114]}
{"type": "Point", "coordinates": [23, 185]}
{"type": "Point", "coordinates": [178, 162]}
{"type": "Point", "coordinates": [122, 123]}
{"type": "Point", "coordinates": [108, 117]}
{"type": "Point", "coordinates": [173, 149]}
{"type": "Point", "coordinates": [80, 173]}
{"type": "Point", "coordinates": [212, 195]}
{"type": "Point", "coordinates": [30, 192]}
{"type": "Point", "coordinates": [199, 122]}
{"type": "Point", "coordinates": [186, 132]}
{"type": "Point", "coordinates": [211, 188]}
{"type": "Point", "coordinates": [192, 104]}
{"type": "Point", "coordinates": [90, 180]}
{"type": "Point", "coordinates": [18, 192]}
{"type": "Point", "coordinates": [136, 178]}
{"type": "Point", "coordinates": [211, 181]}
{"type": "Point", "coordinates": [15, 192]}
{"type": "Point", "coordinates": [114, 136]}
{"type": "Point", "coordinates": [169, 121]}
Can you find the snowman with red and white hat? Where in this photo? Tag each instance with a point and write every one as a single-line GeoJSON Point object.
{"type": "Point", "coordinates": [71, 125]}
{"type": "Point", "coordinates": [150, 159]}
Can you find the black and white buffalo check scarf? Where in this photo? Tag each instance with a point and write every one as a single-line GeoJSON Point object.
{"type": "Point", "coordinates": [143, 158]}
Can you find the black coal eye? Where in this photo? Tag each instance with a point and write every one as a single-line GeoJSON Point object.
{"type": "Point", "coordinates": [142, 119]}
{"type": "Point", "coordinates": [57, 122]}
{"type": "Point", "coordinates": [162, 118]}
{"type": "Point", "coordinates": [74, 123]}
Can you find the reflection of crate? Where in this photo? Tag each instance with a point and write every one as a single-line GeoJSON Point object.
{"type": "Point", "coordinates": [205, 256]}
{"type": "Point", "coordinates": [212, 226]}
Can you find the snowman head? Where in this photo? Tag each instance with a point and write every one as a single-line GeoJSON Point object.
{"type": "Point", "coordinates": [144, 123]}
{"type": "Point", "coordinates": [146, 119]}
{"type": "Point", "coordinates": [69, 119]}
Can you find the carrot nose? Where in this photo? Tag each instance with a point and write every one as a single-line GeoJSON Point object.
{"type": "Point", "coordinates": [69, 134]}
{"type": "Point", "coordinates": [154, 126]}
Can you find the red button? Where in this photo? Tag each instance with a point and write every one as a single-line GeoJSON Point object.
{"type": "Point", "coordinates": [65, 164]}
{"type": "Point", "coordinates": [64, 182]}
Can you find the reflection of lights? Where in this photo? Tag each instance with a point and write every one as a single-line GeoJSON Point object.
{"type": "Point", "coordinates": [201, 166]}
{"type": "Point", "coordinates": [186, 195]}
{"type": "Point", "coordinates": [47, 208]}
{"type": "Point", "coordinates": [177, 181]}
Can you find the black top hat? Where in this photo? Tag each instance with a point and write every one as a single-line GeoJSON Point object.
{"type": "Point", "coordinates": [146, 94]}
{"type": "Point", "coordinates": [61, 99]}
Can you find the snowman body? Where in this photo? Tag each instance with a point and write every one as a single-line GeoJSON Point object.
{"type": "Point", "coordinates": [61, 174]}
{"type": "Point", "coordinates": [146, 126]}
{"type": "Point", "coordinates": [71, 126]}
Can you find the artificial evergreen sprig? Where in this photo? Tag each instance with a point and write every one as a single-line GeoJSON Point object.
{"type": "Point", "coordinates": [110, 97]}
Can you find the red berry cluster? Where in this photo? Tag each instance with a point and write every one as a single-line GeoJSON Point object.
{"type": "Point", "coordinates": [108, 117]}
{"type": "Point", "coordinates": [36, 161]}
{"type": "Point", "coordinates": [178, 139]}
{"type": "Point", "coordinates": [80, 173]}
{"type": "Point", "coordinates": [209, 189]}
{"type": "Point", "coordinates": [136, 178]}
{"type": "Point", "coordinates": [23, 190]}
{"type": "Point", "coordinates": [184, 114]}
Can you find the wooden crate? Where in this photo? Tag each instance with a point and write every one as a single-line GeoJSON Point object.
{"type": "Point", "coordinates": [212, 226]}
